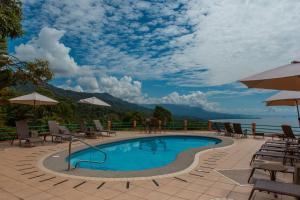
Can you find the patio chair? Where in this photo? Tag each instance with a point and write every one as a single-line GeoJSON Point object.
{"type": "Point", "coordinates": [239, 131]}
{"type": "Point", "coordinates": [285, 155]}
{"type": "Point", "coordinates": [218, 129]}
{"type": "Point", "coordinates": [55, 133]}
{"type": "Point", "coordinates": [65, 131]}
{"type": "Point", "coordinates": [288, 189]}
{"type": "Point", "coordinates": [24, 134]}
{"type": "Point", "coordinates": [83, 128]}
{"type": "Point", "coordinates": [228, 129]}
{"type": "Point", "coordinates": [99, 128]}
{"type": "Point", "coordinates": [288, 132]}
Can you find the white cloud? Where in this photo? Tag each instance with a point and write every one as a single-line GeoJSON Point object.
{"type": "Point", "coordinates": [48, 46]}
{"type": "Point", "coordinates": [125, 87]}
{"type": "Point", "coordinates": [197, 98]}
{"type": "Point", "coordinates": [89, 83]}
{"type": "Point", "coordinates": [230, 39]}
{"type": "Point", "coordinates": [238, 38]}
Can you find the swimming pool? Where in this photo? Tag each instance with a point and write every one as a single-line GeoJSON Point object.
{"type": "Point", "coordinates": [140, 153]}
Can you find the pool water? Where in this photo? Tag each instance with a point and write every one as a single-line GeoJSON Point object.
{"type": "Point", "coordinates": [140, 153]}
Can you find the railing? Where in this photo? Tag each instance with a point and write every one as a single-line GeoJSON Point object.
{"type": "Point", "coordinates": [81, 161]}
{"type": "Point", "coordinates": [260, 129]}
{"type": "Point", "coordinates": [8, 133]}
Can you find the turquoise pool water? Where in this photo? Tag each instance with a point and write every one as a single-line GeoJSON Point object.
{"type": "Point", "coordinates": [140, 153]}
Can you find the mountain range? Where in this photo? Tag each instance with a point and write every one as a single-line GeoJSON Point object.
{"type": "Point", "coordinates": [120, 106]}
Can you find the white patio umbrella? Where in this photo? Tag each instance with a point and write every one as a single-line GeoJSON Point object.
{"type": "Point", "coordinates": [286, 77]}
{"type": "Point", "coordinates": [285, 98]}
{"type": "Point", "coordinates": [94, 101]}
{"type": "Point", "coordinates": [34, 99]}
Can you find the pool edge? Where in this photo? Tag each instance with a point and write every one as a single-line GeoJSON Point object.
{"type": "Point", "coordinates": [185, 162]}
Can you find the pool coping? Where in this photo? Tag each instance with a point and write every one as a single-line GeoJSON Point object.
{"type": "Point", "coordinates": [55, 163]}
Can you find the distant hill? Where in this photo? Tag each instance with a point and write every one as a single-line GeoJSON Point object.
{"type": "Point", "coordinates": [120, 106]}
{"type": "Point", "coordinates": [184, 111]}
{"type": "Point", "coordinates": [117, 105]}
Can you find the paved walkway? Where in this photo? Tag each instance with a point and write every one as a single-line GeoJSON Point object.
{"type": "Point", "coordinates": [21, 178]}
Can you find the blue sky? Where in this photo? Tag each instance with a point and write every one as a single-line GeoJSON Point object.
{"type": "Point", "coordinates": [164, 51]}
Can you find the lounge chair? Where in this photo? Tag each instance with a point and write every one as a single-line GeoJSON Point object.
{"type": "Point", "coordinates": [55, 133]}
{"type": "Point", "coordinates": [288, 132]}
{"type": "Point", "coordinates": [100, 130]}
{"type": "Point", "coordinates": [84, 129]}
{"type": "Point", "coordinates": [281, 155]}
{"type": "Point", "coordinates": [288, 189]}
{"type": "Point", "coordinates": [65, 131]}
{"type": "Point", "coordinates": [24, 134]}
{"type": "Point", "coordinates": [219, 130]}
{"type": "Point", "coordinates": [239, 131]}
{"type": "Point", "coordinates": [228, 129]}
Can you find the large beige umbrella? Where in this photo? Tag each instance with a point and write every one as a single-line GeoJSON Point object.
{"type": "Point", "coordinates": [94, 101]}
{"type": "Point", "coordinates": [34, 99]}
{"type": "Point", "coordinates": [285, 98]}
{"type": "Point", "coordinates": [286, 77]}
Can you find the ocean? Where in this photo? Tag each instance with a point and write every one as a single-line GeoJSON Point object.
{"type": "Point", "coordinates": [274, 121]}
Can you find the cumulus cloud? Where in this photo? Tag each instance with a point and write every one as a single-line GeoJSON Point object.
{"type": "Point", "coordinates": [197, 99]}
{"type": "Point", "coordinates": [48, 46]}
{"type": "Point", "coordinates": [125, 87]}
{"type": "Point", "coordinates": [184, 42]}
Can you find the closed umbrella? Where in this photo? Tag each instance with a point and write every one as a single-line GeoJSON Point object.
{"type": "Point", "coordinates": [286, 77]}
{"type": "Point", "coordinates": [285, 98]}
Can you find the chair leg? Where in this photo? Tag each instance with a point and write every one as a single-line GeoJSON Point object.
{"type": "Point", "coordinates": [251, 194]}
{"type": "Point", "coordinates": [253, 157]}
{"type": "Point", "coordinates": [251, 174]}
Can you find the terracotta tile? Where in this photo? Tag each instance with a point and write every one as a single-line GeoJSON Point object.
{"type": "Point", "coordinates": [206, 197]}
{"type": "Point", "coordinates": [157, 195]}
{"type": "Point", "coordinates": [40, 196]}
{"type": "Point", "coordinates": [169, 189]}
{"type": "Point", "coordinates": [73, 195]}
{"type": "Point", "coordinates": [239, 196]}
{"type": "Point", "coordinates": [139, 192]}
{"type": "Point", "coordinates": [187, 194]}
{"type": "Point", "coordinates": [106, 193]}
{"type": "Point", "coordinates": [217, 192]}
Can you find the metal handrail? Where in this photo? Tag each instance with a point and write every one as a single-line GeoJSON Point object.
{"type": "Point", "coordinates": [79, 161]}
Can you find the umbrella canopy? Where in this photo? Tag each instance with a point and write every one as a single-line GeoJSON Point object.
{"type": "Point", "coordinates": [285, 98]}
{"type": "Point", "coordinates": [94, 101]}
{"type": "Point", "coordinates": [34, 99]}
{"type": "Point", "coordinates": [286, 77]}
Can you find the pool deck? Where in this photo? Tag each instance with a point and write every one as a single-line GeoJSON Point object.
{"type": "Point", "coordinates": [21, 176]}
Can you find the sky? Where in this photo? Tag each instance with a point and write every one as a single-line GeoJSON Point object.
{"type": "Point", "coordinates": [189, 52]}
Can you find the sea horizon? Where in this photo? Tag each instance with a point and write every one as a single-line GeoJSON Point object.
{"type": "Point", "coordinates": [265, 120]}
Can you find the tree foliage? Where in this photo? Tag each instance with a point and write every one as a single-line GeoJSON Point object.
{"type": "Point", "coordinates": [134, 116]}
{"type": "Point", "coordinates": [10, 19]}
{"type": "Point", "coordinates": [162, 114]}
{"type": "Point", "coordinates": [12, 70]}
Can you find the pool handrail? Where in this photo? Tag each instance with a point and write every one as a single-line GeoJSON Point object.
{"type": "Point", "coordinates": [79, 161]}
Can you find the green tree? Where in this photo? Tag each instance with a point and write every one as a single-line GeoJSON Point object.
{"type": "Point", "coordinates": [162, 114]}
{"type": "Point", "coordinates": [134, 115]}
{"type": "Point", "coordinates": [12, 70]}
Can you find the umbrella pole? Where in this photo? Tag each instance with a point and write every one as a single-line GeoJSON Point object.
{"type": "Point", "coordinates": [298, 112]}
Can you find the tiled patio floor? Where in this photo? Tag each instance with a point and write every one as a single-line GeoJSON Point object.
{"type": "Point", "coordinates": [20, 177]}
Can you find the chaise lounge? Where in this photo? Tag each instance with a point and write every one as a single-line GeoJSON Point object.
{"type": "Point", "coordinates": [24, 134]}
{"type": "Point", "coordinates": [288, 189]}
